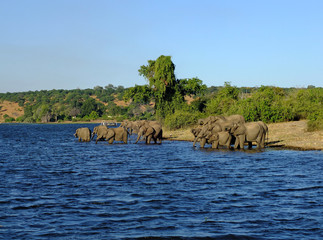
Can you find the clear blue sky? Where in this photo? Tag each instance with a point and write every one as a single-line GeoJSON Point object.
{"type": "Point", "coordinates": [69, 44]}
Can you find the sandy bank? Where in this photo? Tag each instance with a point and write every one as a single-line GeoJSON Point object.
{"type": "Point", "coordinates": [292, 135]}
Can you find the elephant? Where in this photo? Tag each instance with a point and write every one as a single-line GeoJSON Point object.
{"type": "Point", "coordinates": [131, 126]}
{"type": "Point", "coordinates": [149, 132]}
{"type": "Point", "coordinates": [236, 118]}
{"type": "Point", "coordinates": [202, 121]}
{"type": "Point", "coordinates": [100, 131]}
{"type": "Point", "coordinates": [116, 134]}
{"type": "Point", "coordinates": [196, 131]}
{"type": "Point", "coordinates": [200, 133]}
{"type": "Point", "coordinates": [209, 119]}
{"type": "Point", "coordinates": [210, 127]}
{"type": "Point", "coordinates": [83, 134]}
{"type": "Point", "coordinates": [110, 134]}
{"type": "Point", "coordinates": [220, 138]}
{"type": "Point", "coordinates": [265, 128]}
{"type": "Point", "coordinates": [248, 132]}
{"type": "Point", "coordinates": [146, 132]}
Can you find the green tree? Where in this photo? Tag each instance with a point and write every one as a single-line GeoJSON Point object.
{"type": "Point", "coordinates": [88, 106]}
{"type": "Point", "coordinates": [139, 94]}
{"type": "Point", "coordinates": [192, 86]}
{"type": "Point", "coordinates": [223, 100]}
{"type": "Point", "coordinates": [94, 115]}
{"type": "Point", "coordinates": [161, 77]}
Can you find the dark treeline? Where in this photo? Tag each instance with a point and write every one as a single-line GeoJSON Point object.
{"type": "Point", "coordinates": [163, 98]}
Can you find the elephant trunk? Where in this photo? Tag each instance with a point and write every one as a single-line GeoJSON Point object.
{"type": "Point", "coordinates": [195, 140]}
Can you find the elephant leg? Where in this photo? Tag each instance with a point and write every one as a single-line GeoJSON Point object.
{"type": "Point", "coordinates": [138, 138]}
{"type": "Point", "coordinates": [110, 140]}
{"type": "Point", "coordinates": [228, 143]}
{"type": "Point", "coordinates": [215, 144]}
{"type": "Point", "coordinates": [263, 139]}
{"type": "Point", "coordinates": [241, 141]}
{"type": "Point", "coordinates": [236, 143]}
{"type": "Point", "coordinates": [148, 139]}
{"type": "Point", "coordinates": [202, 142]}
{"type": "Point", "coordinates": [250, 145]}
{"type": "Point", "coordinates": [259, 144]}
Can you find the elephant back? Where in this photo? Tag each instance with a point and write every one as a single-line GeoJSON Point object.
{"type": "Point", "coordinates": [236, 118]}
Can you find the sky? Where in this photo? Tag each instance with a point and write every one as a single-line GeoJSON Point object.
{"type": "Point", "coordinates": [70, 44]}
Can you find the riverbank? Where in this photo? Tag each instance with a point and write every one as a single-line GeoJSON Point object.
{"type": "Point", "coordinates": [291, 135]}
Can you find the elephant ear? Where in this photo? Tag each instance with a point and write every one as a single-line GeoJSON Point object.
{"type": "Point", "coordinates": [149, 131]}
{"type": "Point", "coordinates": [110, 133]}
{"type": "Point", "coordinates": [142, 130]}
{"type": "Point", "coordinates": [239, 129]}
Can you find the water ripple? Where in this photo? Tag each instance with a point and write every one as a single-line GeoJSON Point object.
{"type": "Point", "coordinates": [54, 187]}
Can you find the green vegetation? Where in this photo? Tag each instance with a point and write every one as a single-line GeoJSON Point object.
{"type": "Point", "coordinates": [167, 91]}
{"type": "Point", "coordinates": [163, 98]}
{"type": "Point", "coordinates": [8, 119]}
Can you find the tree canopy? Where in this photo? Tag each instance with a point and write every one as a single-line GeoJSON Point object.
{"type": "Point", "coordinates": [168, 91]}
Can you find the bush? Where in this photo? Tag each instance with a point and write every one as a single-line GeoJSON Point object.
{"type": "Point", "coordinates": [29, 120]}
{"type": "Point", "coordinates": [20, 119]}
{"type": "Point", "coordinates": [314, 125]}
{"type": "Point", "coordinates": [181, 119]}
{"type": "Point", "coordinates": [121, 118]}
{"type": "Point", "coordinates": [94, 115]}
{"type": "Point", "coordinates": [308, 102]}
{"type": "Point", "coordinates": [315, 120]}
{"type": "Point", "coordinates": [9, 119]}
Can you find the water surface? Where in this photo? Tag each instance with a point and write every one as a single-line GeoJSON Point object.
{"type": "Point", "coordinates": [54, 187]}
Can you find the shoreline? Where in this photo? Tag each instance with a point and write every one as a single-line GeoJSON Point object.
{"type": "Point", "coordinates": [286, 135]}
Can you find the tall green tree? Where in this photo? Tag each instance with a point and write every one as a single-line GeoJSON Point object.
{"type": "Point", "coordinates": [161, 78]}
{"type": "Point", "coordinates": [168, 91]}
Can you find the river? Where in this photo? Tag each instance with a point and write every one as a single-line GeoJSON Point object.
{"type": "Point", "coordinates": [54, 187]}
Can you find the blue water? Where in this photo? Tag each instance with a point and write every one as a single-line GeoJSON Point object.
{"type": "Point", "coordinates": [54, 187]}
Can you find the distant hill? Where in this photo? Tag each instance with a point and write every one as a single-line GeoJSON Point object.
{"type": "Point", "coordinates": [11, 109]}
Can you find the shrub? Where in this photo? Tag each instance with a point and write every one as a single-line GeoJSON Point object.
{"type": "Point", "coordinates": [314, 125]}
{"type": "Point", "coordinates": [20, 119]}
{"type": "Point", "coordinates": [29, 120]}
{"type": "Point", "coordinates": [315, 120]}
{"type": "Point", "coordinates": [94, 115]}
{"type": "Point", "coordinates": [9, 119]}
{"type": "Point", "coordinates": [181, 119]}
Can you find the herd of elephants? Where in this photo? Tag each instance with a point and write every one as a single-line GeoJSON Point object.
{"type": "Point", "coordinates": [214, 130]}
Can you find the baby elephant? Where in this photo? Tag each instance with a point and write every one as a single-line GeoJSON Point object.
{"type": "Point", "coordinates": [220, 138]}
{"type": "Point", "coordinates": [84, 134]}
